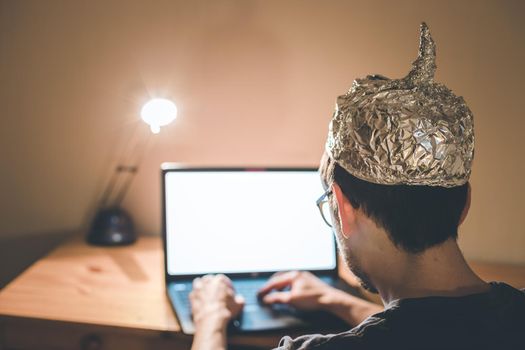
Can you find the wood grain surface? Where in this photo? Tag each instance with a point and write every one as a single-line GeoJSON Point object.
{"type": "Point", "coordinates": [123, 288]}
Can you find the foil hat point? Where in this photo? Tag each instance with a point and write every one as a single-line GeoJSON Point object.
{"type": "Point", "coordinates": [409, 131]}
{"type": "Point", "coordinates": [424, 67]}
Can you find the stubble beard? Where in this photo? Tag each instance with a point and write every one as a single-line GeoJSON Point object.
{"type": "Point", "coordinates": [353, 264]}
{"type": "Point", "coordinates": [349, 258]}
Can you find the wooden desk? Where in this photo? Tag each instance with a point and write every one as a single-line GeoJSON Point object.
{"type": "Point", "coordinates": [84, 297]}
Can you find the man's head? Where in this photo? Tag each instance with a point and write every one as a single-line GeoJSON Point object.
{"type": "Point", "coordinates": [398, 159]}
{"type": "Point", "coordinates": [371, 220]}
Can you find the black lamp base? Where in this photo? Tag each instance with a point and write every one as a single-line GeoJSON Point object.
{"type": "Point", "coordinates": [112, 227]}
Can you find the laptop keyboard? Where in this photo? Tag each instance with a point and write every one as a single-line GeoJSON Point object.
{"type": "Point", "coordinates": [255, 315]}
{"type": "Point", "coordinates": [247, 288]}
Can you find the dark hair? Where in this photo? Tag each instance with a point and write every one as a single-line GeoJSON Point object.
{"type": "Point", "coordinates": [415, 217]}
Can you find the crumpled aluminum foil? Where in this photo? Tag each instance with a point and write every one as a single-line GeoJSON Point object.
{"type": "Point", "coordinates": [409, 131]}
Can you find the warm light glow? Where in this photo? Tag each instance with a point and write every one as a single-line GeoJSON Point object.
{"type": "Point", "coordinates": [158, 112]}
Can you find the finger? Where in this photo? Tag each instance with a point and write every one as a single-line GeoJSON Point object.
{"type": "Point", "coordinates": [277, 298]}
{"type": "Point", "coordinates": [239, 299]}
{"type": "Point", "coordinates": [237, 305]}
{"type": "Point", "coordinates": [206, 278]}
{"type": "Point", "coordinates": [197, 283]}
{"type": "Point", "coordinates": [225, 279]}
{"type": "Point", "coordinates": [230, 292]}
{"type": "Point", "coordinates": [223, 284]}
{"type": "Point", "coordinates": [278, 273]}
{"type": "Point", "coordinates": [278, 282]}
{"type": "Point", "coordinates": [194, 300]}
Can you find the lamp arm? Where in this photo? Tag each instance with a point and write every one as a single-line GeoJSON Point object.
{"type": "Point", "coordinates": [109, 189]}
{"type": "Point", "coordinates": [119, 183]}
{"type": "Point", "coordinates": [131, 170]}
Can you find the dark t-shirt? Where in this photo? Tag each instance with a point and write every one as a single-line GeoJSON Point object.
{"type": "Point", "coordinates": [490, 320]}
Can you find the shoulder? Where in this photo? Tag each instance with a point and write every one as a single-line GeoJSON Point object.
{"type": "Point", "coordinates": [501, 289]}
{"type": "Point", "coordinates": [371, 333]}
{"type": "Point", "coordinates": [496, 317]}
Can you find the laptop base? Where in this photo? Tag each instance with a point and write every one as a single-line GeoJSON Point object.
{"type": "Point", "coordinates": [257, 317]}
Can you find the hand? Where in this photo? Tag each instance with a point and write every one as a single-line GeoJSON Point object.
{"type": "Point", "coordinates": [307, 292]}
{"type": "Point", "coordinates": [213, 301]}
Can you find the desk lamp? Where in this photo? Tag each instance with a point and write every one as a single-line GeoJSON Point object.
{"type": "Point", "coordinates": [112, 225]}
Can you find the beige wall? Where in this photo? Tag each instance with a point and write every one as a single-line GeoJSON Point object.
{"type": "Point", "coordinates": [255, 82]}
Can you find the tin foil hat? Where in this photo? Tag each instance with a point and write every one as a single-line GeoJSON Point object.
{"type": "Point", "coordinates": [409, 131]}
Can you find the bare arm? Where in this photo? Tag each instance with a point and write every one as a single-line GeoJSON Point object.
{"type": "Point", "coordinates": [210, 336]}
{"type": "Point", "coordinates": [214, 304]}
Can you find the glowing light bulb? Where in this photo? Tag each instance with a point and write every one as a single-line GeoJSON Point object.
{"type": "Point", "coordinates": [158, 112]}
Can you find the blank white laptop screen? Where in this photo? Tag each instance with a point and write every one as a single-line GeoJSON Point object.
{"type": "Point", "coordinates": [245, 221]}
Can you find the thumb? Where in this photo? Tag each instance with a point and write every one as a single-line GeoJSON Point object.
{"type": "Point", "coordinates": [239, 299]}
{"type": "Point", "coordinates": [238, 305]}
{"type": "Point", "coordinates": [277, 298]}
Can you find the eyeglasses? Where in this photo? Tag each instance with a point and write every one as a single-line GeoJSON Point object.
{"type": "Point", "coordinates": [324, 207]}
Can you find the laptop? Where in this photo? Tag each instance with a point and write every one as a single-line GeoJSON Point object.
{"type": "Point", "coordinates": [247, 223]}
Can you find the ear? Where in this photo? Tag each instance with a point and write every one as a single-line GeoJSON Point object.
{"type": "Point", "coordinates": [347, 213]}
{"type": "Point", "coordinates": [467, 206]}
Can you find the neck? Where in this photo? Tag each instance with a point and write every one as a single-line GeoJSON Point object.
{"type": "Point", "coordinates": [438, 271]}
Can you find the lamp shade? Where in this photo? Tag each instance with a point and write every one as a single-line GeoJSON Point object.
{"type": "Point", "coordinates": [158, 112]}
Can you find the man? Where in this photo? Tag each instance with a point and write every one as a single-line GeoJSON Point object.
{"type": "Point", "coordinates": [396, 170]}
